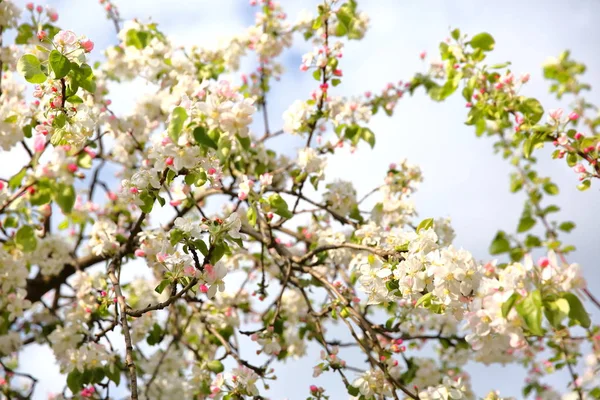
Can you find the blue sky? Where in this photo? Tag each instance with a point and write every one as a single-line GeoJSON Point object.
{"type": "Point", "coordinates": [463, 178]}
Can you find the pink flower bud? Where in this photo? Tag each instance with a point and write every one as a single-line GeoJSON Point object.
{"type": "Point", "coordinates": [204, 288]}
{"type": "Point", "coordinates": [314, 388]}
{"type": "Point", "coordinates": [112, 196]}
{"type": "Point", "coordinates": [422, 55]}
{"type": "Point", "coordinates": [29, 6]}
{"type": "Point", "coordinates": [573, 116]}
{"type": "Point", "coordinates": [72, 167]}
{"type": "Point", "coordinates": [579, 168]}
{"type": "Point", "coordinates": [212, 171]}
{"type": "Point", "coordinates": [140, 253]}
{"type": "Point", "coordinates": [469, 104]}
{"type": "Point", "coordinates": [543, 262]}
{"type": "Point", "coordinates": [134, 190]}
{"type": "Point", "coordinates": [87, 45]}
{"type": "Point", "coordinates": [39, 9]}
{"type": "Point", "coordinates": [42, 35]}
{"type": "Point", "coordinates": [169, 161]}
{"type": "Point", "coordinates": [578, 135]}
{"type": "Point", "coordinates": [39, 143]}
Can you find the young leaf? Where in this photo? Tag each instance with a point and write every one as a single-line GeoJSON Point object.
{"type": "Point", "coordinates": [483, 41]}
{"type": "Point", "coordinates": [555, 311]}
{"type": "Point", "coordinates": [577, 313]}
{"type": "Point", "coordinates": [178, 117]}
{"type": "Point", "coordinates": [25, 239]}
{"type": "Point", "coordinates": [162, 286]}
{"type": "Point", "coordinates": [30, 67]}
{"type": "Point", "coordinates": [500, 244]}
{"type": "Point", "coordinates": [530, 309]}
{"type": "Point", "coordinates": [551, 188]}
{"type": "Point", "coordinates": [215, 366]}
{"type": "Point", "coordinates": [425, 224]}
{"type": "Point", "coordinates": [202, 138]}
{"type": "Point", "coordinates": [279, 206]}
{"type": "Point", "coordinates": [64, 196]}
{"type": "Point", "coordinates": [508, 304]}
{"type": "Point", "coordinates": [59, 64]}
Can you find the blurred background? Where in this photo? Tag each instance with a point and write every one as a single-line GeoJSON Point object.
{"type": "Point", "coordinates": [464, 179]}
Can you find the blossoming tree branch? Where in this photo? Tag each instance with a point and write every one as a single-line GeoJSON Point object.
{"type": "Point", "coordinates": [239, 244]}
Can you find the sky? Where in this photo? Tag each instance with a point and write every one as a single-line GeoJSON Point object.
{"type": "Point", "coordinates": [464, 179]}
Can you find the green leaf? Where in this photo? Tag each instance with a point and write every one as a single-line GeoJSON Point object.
{"type": "Point", "coordinates": [155, 335]}
{"type": "Point", "coordinates": [533, 110]}
{"type": "Point", "coordinates": [137, 39]}
{"type": "Point", "coordinates": [215, 366]}
{"type": "Point", "coordinates": [224, 147]}
{"type": "Point", "coordinates": [455, 34]}
{"type": "Point", "coordinates": [15, 181]}
{"type": "Point", "coordinates": [425, 224]}
{"type": "Point", "coordinates": [244, 141]}
{"type": "Point", "coordinates": [84, 76]}
{"type": "Point", "coordinates": [65, 197]}
{"type": "Point", "coordinates": [508, 304]}
{"type": "Point", "coordinates": [279, 206]}
{"type": "Point", "coordinates": [74, 99]}
{"type": "Point", "coordinates": [532, 241]}
{"type": "Point", "coordinates": [162, 286]}
{"type": "Point", "coordinates": [571, 159]}
{"type": "Point", "coordinates": [577, 313]}
{"type": "Point", "coordinates": [567, 226]}
{"type": "Point", "coordinates": [178, 117]}
{"type": "Point", "coordinates": [368, 136]}
{"type": "Point", "coordinates": [30, 67]}
{"type": "Point", "coordinates": [251, 216]}
{"type": "Point", "coordinates": [202, 138]}
{"type": "Point", "coordinates": [424, 300]}
{"type": "Point", "coordinates": [529, 143]}
{"type": "Point", "coordinates": [555, 311]}
{"type": "Point", "coordinates": [75, 381]}
{"type": "Point", "coordinates": [27, 129]}
{"type": "Point", "coordinates": [525, 223]}
{"type": "Point", "coordinates": [353, 391]}
{"type": "Point", "coordinates": [483, 41]}
{"type": "Point", "coordinates": [97, 375]}
{"type": "Point", "coordinates": [218, 252]}
{"type": "Point", "coordinates": [500, 244]}
{"type": "Point", "coordinates": [113, 373]}
{"type": "Point", "coordinates": [59, 64]}
{"type": "Point", "coordinates": [585, 185]}
{"type": "Point", "coordinates": [551, 188]}
{"type": "Point", "coordinates": [25, 33]}
{"type": "Point", "coordinates": [25, 239]}
{"type": "Point", "coordinates": [148, 200]}
{"type": "Point", "coordinates": [317, 74]}
{"type": "Point", "coordinates": [530, 309]}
